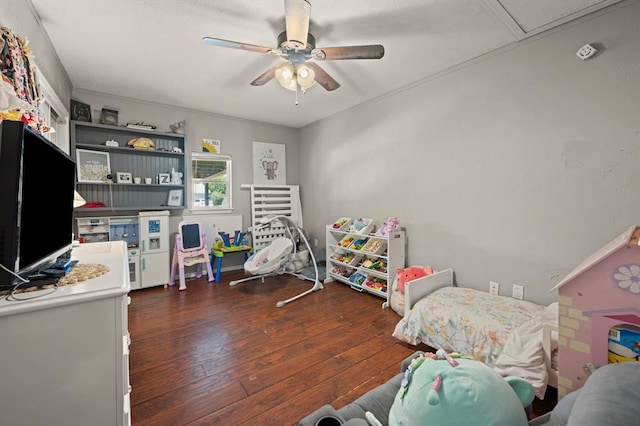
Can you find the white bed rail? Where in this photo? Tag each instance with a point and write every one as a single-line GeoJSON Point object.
{"type": "Point", "coordinates": [417, 289]}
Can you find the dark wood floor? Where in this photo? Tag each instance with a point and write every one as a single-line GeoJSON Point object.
{"type": "Point", "coordinates": [220, 355]}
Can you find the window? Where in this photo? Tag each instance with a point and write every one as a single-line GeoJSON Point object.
{"type": "Point", "coordinates": [54, 114]}
{"type": "Point", "coordinates": [210, 181]}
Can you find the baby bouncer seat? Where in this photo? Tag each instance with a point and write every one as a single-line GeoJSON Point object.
{"type": "Point", "coordinates": [270, 259]}
{"type": "Point", "coordinates": [273, 259]}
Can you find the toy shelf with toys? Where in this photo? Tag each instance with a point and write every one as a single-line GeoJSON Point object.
{"type": "Point", "coordinates": [361, 258]}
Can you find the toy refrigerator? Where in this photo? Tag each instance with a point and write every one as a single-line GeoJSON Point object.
{"type": "Point", "coordinates": [154, 248]}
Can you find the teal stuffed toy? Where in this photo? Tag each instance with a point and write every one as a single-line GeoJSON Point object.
{"type": "Point", "coordinates": [442, 389]}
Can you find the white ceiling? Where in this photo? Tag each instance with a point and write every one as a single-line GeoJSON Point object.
{"type": "Point", "coordinates": [152, 50]}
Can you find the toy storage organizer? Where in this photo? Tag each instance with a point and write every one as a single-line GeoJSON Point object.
{"type": "Point", "coordinates": [364, 261]}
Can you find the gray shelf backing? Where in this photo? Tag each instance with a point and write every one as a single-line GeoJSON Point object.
{"type": "Point", "coordinates": [130, 197]}
{"type": "Point", "coordinates": [144, 166]}
{"type": "Point", "coordinates": [98, 135]}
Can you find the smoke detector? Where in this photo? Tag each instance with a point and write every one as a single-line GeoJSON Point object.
{"type": "Point", "coordinates": [586, 51]}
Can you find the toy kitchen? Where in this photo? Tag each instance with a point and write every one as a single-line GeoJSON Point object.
{"type": "Point", "coordinates": [146, 236]}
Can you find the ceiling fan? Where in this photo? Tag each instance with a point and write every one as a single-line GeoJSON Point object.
{"type": "Point", "coordinates": [297, 46]}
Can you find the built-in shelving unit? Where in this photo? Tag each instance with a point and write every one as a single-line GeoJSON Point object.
{"type": "Point", "coordinates": [166, 155]}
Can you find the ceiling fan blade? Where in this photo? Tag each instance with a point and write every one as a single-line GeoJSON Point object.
{"type": "Point", "coordinates": [236, 45]}
{"type": "Point", "coordinates": [373, 51]}
{"type": "Point", "coordinates": [296, 15]}
{"type": "Point", "coordinates": [265, 77]}
{"type": "Point", "coordinates": [323, 79]}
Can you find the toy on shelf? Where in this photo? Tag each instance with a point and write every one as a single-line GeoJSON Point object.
{"type": "Point", "coordinates": [358, 278]}
{"type": "Point", "coordinates": [390, 225]}
{"type": "Point", "coordinates": [341, 224]}
{"type": "Point", "coordinates": [141, 143]}
{"type": "Point", "coordinates": [378, 284]}
{"type": "Point", "coordinates": [361, 225]}
{"type": "Point", "coordinates": [346, 241]}
{"type": "Point", "coordinates": [343, 257]}
{"type": "Point", "coordinates": [376, 265]}
{"type": "Point", "coordinates": [342, 271]}
{"type": "Point", "coordinates": [374, 245]}
{"type": "Point", "coordinates": [358, 244]}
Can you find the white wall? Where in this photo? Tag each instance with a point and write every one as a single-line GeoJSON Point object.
{"type": "Point", "coordinates": [512, 168]}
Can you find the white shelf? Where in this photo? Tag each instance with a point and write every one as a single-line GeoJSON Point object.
{"type": "Point", "coordinates": [392, 253]}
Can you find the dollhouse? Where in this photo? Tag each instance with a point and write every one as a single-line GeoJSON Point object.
{"type": "Point", "coordinates": [603, 292]}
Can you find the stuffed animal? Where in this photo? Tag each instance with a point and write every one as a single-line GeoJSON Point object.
{"type": "Point", "coordinates": [445, 389]}
{"type": "Point", "coordinates": [411, 273]}
{"type": "Point", "coordinates": [141, 143]}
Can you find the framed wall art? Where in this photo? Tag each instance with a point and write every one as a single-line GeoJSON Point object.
{"type": "Point", "coordinates": [80, 111]}
{"type": "Point", "coordinates": [269, 164]}
{"type": "Point", "coordinates": [175, 197]}
{"type": "Point", "coordinates": [123, 177]}
{"type": "Point", "coordinates": [92, 166]}
{"type": "Point", "coordinates": [109, 116]}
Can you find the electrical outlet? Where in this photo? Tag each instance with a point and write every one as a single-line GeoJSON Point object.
{"type": "Point", "coordinates": [586, 51]}
{"type": "Point", "coordinates": [315, 242]}
{"type": "Point", "coordinates": [518, 291]}
{"type": "Point", "coordinates": [494, 288]}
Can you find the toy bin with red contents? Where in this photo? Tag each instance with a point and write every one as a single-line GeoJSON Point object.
{"type": "Point", "coordinates": [376, 284]}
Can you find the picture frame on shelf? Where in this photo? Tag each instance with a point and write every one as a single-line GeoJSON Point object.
{"type": "Point", "coordinates": [164, 178]}
{"type": "Point", "coordinates": [124, 177]}
{"type": "Point", "coordinates": [175, 198]}
{"type": "Point", "coordinates": [109, 116]}
{"type": "Point", "coordinates": [80, 111]}
{"type": "Point", "coordinates": [92, 166]}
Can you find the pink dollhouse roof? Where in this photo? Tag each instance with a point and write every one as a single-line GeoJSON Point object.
{"type": "Point", "coordinates": [633, 233]}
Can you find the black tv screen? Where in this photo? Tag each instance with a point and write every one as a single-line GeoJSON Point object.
{"type": "Point", "coordinates": [36, 200]}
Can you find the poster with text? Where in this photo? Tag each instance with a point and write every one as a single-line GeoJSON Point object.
{"type": "Point", "coordinates": [269, 165]}
{"type": "Point", "coordinates": [211, 145]}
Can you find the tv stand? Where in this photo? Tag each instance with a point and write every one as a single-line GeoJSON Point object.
{"type": "Point", "coordinates": [65, 354]}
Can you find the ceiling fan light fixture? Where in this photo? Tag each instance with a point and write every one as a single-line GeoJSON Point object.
{"type": "Point", "coordinates": [285, 75]}
{"type": "Point", "coordinates": [305, 76]}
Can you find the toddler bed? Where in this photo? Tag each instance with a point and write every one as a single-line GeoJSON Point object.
{"type": "Point", "coordinates": [505, 333]}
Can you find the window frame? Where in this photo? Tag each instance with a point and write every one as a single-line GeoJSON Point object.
{"type": "Point", "coordinates": [193, 181]}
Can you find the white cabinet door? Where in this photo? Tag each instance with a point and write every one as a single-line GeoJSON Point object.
{"type": "Point", "coordinates": [154, 269]}
{"type": "Point", "coordinates": [154, 233]}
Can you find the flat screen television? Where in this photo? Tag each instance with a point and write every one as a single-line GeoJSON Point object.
{"type": "Point", "coordinates": [37, 183]}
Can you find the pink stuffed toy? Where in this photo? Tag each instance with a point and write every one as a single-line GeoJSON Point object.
{"type": "Point", "coordinates": [411, 273]}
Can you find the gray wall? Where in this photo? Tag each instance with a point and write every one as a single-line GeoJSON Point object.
{"type": "Point", "coordinates": [511, 168]}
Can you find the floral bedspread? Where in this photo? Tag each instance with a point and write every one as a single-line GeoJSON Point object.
{"type": "Point", "coordinates": [470, 322]}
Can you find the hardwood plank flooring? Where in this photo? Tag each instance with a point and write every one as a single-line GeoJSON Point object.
{"type": "Point", "coordinates": [220, 355]}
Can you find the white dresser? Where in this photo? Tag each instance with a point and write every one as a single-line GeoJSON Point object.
{"type": "Point", "coordinates": [64, 357]}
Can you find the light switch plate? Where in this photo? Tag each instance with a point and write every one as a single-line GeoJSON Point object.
{"type": "Point", "coordinates": [518, 292]}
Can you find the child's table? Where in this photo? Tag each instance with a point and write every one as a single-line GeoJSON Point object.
{"type": "Point", "coordinates": [220, 250]}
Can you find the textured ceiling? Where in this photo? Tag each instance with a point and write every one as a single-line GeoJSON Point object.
{"type": "Point", "coordinates": [152, 50]}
